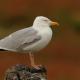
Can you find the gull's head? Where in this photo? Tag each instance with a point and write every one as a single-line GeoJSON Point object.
{"type": "Point", "coordinates": [44, 21]}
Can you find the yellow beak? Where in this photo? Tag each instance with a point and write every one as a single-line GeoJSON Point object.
{"type": "Point", "coordinates": [54, 23]}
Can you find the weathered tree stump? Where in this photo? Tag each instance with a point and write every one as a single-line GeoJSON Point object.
{"type": "Point", "coordinates": [23, 72]}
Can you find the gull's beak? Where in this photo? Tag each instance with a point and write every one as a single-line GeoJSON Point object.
{"type": "Point", "coordinates": [54, 23]}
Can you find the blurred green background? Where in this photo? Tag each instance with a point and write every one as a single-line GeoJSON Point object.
{"type": "Point", "coordinates": [62, 55]}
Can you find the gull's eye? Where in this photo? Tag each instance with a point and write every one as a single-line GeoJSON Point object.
{"type": "Point", "coordinates": [45, 20]}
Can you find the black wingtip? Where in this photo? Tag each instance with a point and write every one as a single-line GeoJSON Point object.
{"type": "Point", "coordinates": [3, 50]}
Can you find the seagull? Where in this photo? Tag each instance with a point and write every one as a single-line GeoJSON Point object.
{"type": "Point", "coordinates": [31, 39]}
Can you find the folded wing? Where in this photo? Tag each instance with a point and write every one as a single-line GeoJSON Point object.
{"type": "Point", "coordinates": [20, 39]}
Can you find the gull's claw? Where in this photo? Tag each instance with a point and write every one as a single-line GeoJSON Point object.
{"type": "Point", "coordinates": [38, 69]}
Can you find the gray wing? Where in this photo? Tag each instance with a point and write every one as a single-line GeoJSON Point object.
{"type": "Point", "coordinates": [16, 40]}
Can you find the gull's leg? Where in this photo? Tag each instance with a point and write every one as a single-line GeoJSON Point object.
{"type": "Point", "coordinates": [31, 55]}
{"type": "Point", "coordinates": [31, 59]}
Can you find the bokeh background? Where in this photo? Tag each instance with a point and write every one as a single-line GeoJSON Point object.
{"type": "Point", "coordinates": [62, 56]}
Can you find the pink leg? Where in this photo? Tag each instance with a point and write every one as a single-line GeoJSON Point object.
{"type": "Point", "coordinates": [31, 55]}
